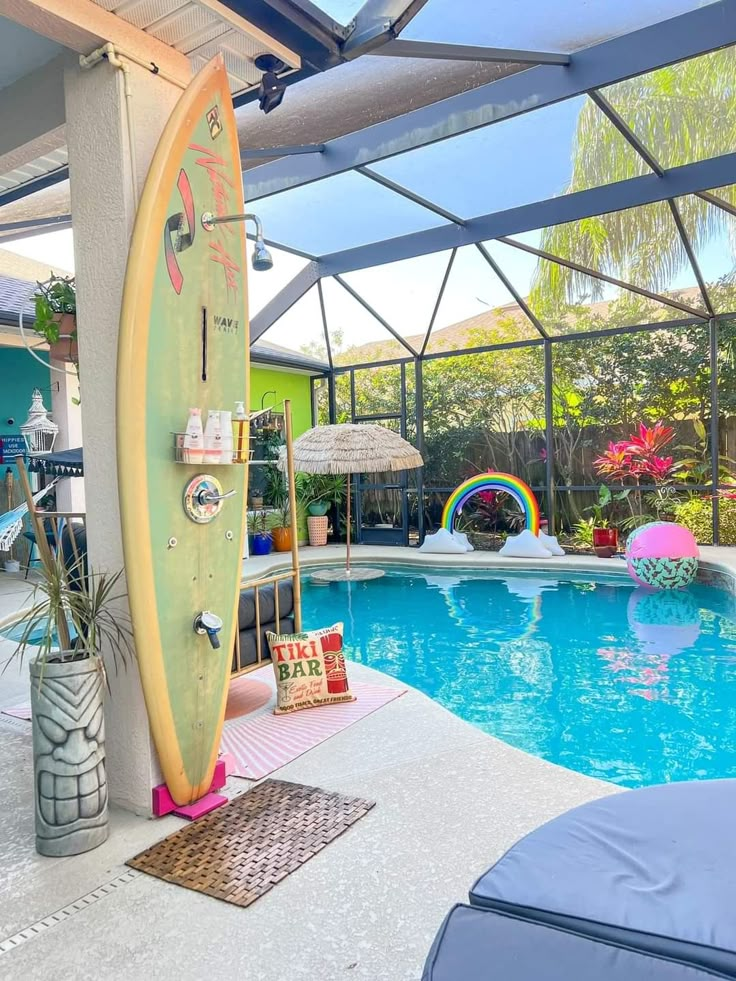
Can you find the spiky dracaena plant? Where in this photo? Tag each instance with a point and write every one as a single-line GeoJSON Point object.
{"type": "Point", "coordinates": [76, 614]}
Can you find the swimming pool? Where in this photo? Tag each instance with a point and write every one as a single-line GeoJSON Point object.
{"type": "Point", "coordinates": [602, 677]}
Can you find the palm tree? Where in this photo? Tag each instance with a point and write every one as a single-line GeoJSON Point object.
{"type": "Point", "coordinates": [682, 113]}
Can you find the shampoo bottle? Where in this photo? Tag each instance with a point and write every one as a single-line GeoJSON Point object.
{"type": "Point", "coordinates": [226, 428]}
{"type": "Point", "coordinates": [194, 438]}
{"type": "Point", "coordinates": [240, 433]}
{"type": "Point", "coordinates": [213, 437]}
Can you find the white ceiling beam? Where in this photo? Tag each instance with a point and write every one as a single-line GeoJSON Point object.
{"type": "Point", "coordinates": [32, 111]}
{"type": "Point", "coordinates": [243, 25]}
{"type": "Point", "coordinates": [83, 26]}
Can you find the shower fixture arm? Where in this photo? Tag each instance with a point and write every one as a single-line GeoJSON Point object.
{"type": "Point", "coordinates": [209, 221]}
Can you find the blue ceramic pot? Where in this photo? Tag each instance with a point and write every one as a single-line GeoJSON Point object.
{"type": "Point", "coordinates": [261, 544]}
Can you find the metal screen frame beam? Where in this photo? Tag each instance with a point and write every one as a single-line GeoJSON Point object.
{"type": "Point", "coordinates": [440, 51]}
{"type": "Point", "coordinates": [692, 258]}
{"type": "Point", "coordinates": [281, 151]}
{"type": "Point", "coordinates": [633, 192]}
{"type": "Point", "coordinates": [404, 192]}
{"type": "Point", "coordinates": [378, 22]}
{"type": "Point", "coordinates": [438, 301]}
{"type": "Point", "coordinates": [715, 455]}
{"type": "Point", "coordinates": [510, 288]}
{"type": "Point", "coordinates": [697, 32]}
{"type": "Point", "coordinates": [377, 316]}
{"type": "Point", "coordinates": [284, 300]}
{"type": "Point", "coordinates": [325, 328]}
{"type": "Point", "coordinates": [604, 278]}
{"type": "Point", "coordinates": [717, 202]}
{"type": "Point", "coordinates": [627, 132]}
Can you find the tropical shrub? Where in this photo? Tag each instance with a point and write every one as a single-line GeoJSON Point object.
{"type": "Point", "coordinates": [638, 456]}
{"type": "Point", "coordinates": [696, 514]}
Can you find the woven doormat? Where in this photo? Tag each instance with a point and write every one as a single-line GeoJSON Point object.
{"type": "Point", "coordinates": [240, 851]}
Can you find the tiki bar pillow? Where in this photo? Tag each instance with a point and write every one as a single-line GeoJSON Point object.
{"type": "Point", "coordinates": [310, 669]}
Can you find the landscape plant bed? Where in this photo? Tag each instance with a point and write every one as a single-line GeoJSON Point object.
{"type": "Point", "coordinates": [572, 549]}
{"type": "Point", "coordinates": [485, 541]}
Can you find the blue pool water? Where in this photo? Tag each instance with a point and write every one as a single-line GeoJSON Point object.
{"type": "Point", "coordinates": [603, 677]}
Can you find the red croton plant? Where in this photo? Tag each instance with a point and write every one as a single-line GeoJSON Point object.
{"type": "Point", "coordinates": [638, 457]}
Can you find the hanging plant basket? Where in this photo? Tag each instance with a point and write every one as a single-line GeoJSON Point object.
{"type": "Point", "coordinates": [66, 348]}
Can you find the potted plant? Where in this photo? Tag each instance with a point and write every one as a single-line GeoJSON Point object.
{"type": "Point", "coordinates": [261, 537]}
{"type": "Point", "coordinates": [74, 614]}
{"type": "Point", "coordinates": [56, 317]}
{"type": "Point", "coordinates": [318, 492]}
{"type": "Point", "coordinates": [277, 495]}
{"type": "Point", "coordinates": [281, 530]}
{"type": "Point", "coordinates": [605, 538]}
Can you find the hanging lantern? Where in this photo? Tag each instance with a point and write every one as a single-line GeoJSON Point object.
{"type": "Point", "coordinates": [38, 430]}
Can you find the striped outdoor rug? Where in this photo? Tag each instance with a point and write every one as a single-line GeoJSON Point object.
{"type": "Point", "coordinates": [262, 742]}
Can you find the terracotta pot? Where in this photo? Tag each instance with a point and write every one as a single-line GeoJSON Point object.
{"type": "Point", "coordinates": [317, 526]}
{"type": "Point", "coordinates": [605, 542]}
{"type": "Point", "coordinates": [281, 539]}
{"type": "Point", "coordinates": [68, 756]}
{"type": "Point", "coordinates": [65, 349]}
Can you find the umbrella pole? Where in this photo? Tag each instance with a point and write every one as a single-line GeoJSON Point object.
{"type": "Point", "coordinates": [347, 562]}
{"type": "Point", "coordinates": [296, 581]}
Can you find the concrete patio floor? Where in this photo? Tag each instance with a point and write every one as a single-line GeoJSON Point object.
{"type": "Point", "coordinates": [449, 801]}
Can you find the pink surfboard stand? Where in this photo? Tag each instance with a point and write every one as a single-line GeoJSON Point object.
{"type": "Point", "coordinates": [163, 803]}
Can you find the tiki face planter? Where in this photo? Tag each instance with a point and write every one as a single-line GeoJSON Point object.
{"type": "Point", "coordinates": [70, 786]}
{"type": "Point", "coordinates": [76, 614]}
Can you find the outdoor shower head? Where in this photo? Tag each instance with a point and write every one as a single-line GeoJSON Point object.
{"type": "Point", "coordinates": [262, 259]}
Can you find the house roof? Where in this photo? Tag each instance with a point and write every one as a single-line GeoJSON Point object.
{"type": "Point", "coordinates": [14, 293]}
{"type": "Point", "coordinates": [499, 325]}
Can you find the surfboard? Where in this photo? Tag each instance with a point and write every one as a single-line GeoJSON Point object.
{"type": "Point", "coordinates": [183, 342]}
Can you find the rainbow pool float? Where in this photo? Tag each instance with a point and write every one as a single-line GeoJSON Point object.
{"type": "Point", "coordinates": [493, 481]}
{"type": "Point", "coordinates": [531, 543]}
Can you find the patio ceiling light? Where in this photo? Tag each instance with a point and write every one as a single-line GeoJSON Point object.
{"type": "Point", "coordinates": [271, 90]}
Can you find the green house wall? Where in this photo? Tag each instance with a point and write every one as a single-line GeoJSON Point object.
{"type": "Point", "coordinates": [19, 375]}
{"type": "Point", "coordinates": [287, 386]}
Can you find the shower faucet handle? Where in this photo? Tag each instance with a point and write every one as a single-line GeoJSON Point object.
{"type": "Point", "coordinates": [210, 624]}
{"type": "Point", "coordinates": [211, 497]}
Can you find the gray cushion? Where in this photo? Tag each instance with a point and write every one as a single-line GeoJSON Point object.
{"type": "Point", "coordinates": [266, 599]}
{"type": "Point", "coordinates": [477, 945]}
{"type": "Point", "coordinates": [652, 868]}
{"type": "Point", "coordinates": [249, 648]}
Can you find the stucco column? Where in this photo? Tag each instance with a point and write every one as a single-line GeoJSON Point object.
{"type": "Point", "coordinates": [68, 417]}
{"type": "Point", "coordinates": [101, 152]}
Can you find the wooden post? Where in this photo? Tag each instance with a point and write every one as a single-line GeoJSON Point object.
{"type": "Point", "coordinates": [297, 585]}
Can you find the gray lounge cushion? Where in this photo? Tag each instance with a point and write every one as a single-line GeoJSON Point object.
{"type": "Point", "coordinates": [249, 647]}
{"type": "Point", "coordinates": [267, 601]}
{"type": "Point", "coordinates": [654, 869]}
{"type": "Point", "coordinates": [478, 945]}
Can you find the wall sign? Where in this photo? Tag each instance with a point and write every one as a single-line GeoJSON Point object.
{"type": "Point", "coordinates": [11, 447]}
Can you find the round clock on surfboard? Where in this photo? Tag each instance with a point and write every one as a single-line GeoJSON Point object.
{"type": "Point", "coordinates": [184, 343]}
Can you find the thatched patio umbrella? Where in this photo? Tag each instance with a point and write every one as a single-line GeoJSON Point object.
{"type": "Point", "coordinates": [348, 449]}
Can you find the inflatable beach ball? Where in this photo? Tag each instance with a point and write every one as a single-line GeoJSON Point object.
{"type": "Point", "coordinates": [662, 555]}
